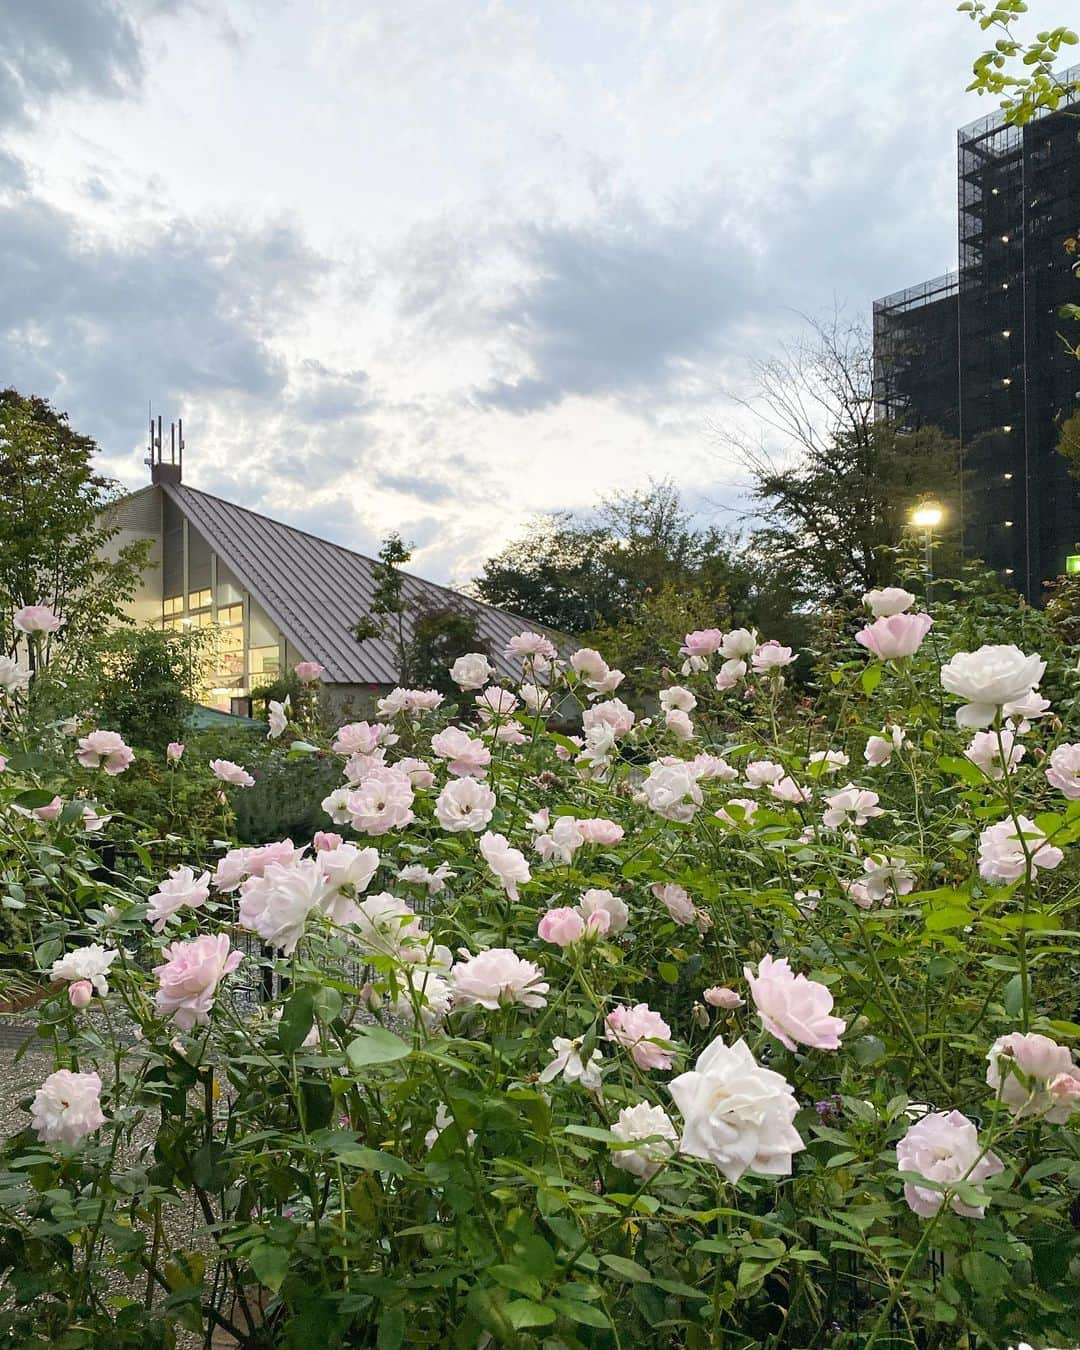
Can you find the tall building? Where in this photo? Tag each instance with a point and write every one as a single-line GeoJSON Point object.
{"type": "Point", "coordinates": [274, 595]}
{"type": "Point", "coordinates": [983, 352]}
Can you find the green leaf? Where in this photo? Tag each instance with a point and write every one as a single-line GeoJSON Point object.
{"type": "Point", "coordinates": [668, 972]}
{"type": "Point", "coordinates": [297, 1019]}
{"type": "Point", "coordinates": [522, 1313]}
{"type": "Point", "coordinates": [629, 1270]}
{"type": "Point", "coordinates": [270, 1264]}
{"type": "Point", "coordinates": [32, 798]}
{"type": "Point", "coordinates": [391, 1335]}
{"type": "Point", "coordinates": [584, 1313]}
{"type": "Point", "coordinates": [373, 1160]}
{"type": "Point", "coordinates": [517, 1280]}
{"type": "Point", "coordinates": [375, 1045]}
{"type": "Point", "coordinates": [871, 677]}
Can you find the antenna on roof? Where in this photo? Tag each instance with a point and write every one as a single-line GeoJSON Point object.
{"type": "Point", "coordinates": [162, 470]}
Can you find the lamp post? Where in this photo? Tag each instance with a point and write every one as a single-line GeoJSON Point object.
{"type": "Point", "coordinates": [926, 518]}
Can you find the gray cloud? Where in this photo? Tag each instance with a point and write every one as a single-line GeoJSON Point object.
{"type": "Point", "coordinates": [189, 311]}
{"type": "Point", "coordinates": [62, 47]}
{"type": "Point", "coordinates": [617, 307]}
{"type": "Point", "coordinates": [12, 172]}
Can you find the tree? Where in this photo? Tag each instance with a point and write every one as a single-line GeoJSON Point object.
{"type": "Point", "coordinates": [1068, 444]}
{"type": "Point", "coordinates": [633, 576]}
{"type": "Point", "coordinates": [54, 540]}
{"type": "Point", "coordinates": [833, 484]}
{"type": "Point", "coordinates": [427, 638]}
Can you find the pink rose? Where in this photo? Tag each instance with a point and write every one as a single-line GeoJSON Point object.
{"type": "Point", "coordinates": [307, 672]}
{"type": "Point", "coordinates": [37, 619]}
{"type": "Point", "coordinates": [104, 750]}
{"type": "Point", "coordinates": [721, 997]}
{"type": "Point", "coordinates": [702, 642]}
{"type": "Point", "coordinates": [895, 635]}
{"type": "Point", "coordinates": [637, 1029]}
{"type": "Point", "coordinates": [80, 993]}
{"type": "Point", "coordinates": [563, 927]}
{"type": "Point", "coordinates": [600, 831]}
{"type": "Point", "coordinates": [50, 810]}
{"type": "Point", "coordinates": [174, 751]}
{"type": "Point", "coordinates": [793, 1008]}
{"type": "Point", "coordinates": [325, 840]}
{"type": "Point", "coordinates": [233, 774]}
{"type": "Point", "coordinates": [190, 975]}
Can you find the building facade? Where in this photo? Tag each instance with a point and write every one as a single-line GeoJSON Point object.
{"type": "Point", "coordinates": [983, 352]}
{"type": "Point", "coordinates": [272, 595]}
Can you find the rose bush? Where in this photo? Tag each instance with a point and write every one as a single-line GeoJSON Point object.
{"type": "Point", "coordinates": [741, 1019]}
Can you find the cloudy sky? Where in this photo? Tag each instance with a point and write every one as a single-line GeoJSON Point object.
{"type": "Point", "coordinates": [435, 265]}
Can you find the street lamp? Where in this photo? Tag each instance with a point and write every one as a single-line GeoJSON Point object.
{"type": "Point", "coordinates": [927, 518]}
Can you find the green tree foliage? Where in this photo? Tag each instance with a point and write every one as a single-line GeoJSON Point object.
{"type": "Point", "coordinates": [1020, 74]}
{"type": "Point", "coordinates": [426, 638]}
{"type": "Point", "coordinates": [633, 576]}
{"type": "Point", "coordinates": [833, 485]}
{"type": "Point", "coordinates": [56, 547]}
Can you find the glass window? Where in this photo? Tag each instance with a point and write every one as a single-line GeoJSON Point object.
{"type": "Point", "coordinates": [173, 604]}
{"type": "Point", "coordinates": [199, 599]}
{"type": "Point", "coordinates": [230, 614]}
{"type": "Point", "coordinates": [264, 661]}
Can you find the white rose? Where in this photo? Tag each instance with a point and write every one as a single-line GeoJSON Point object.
{"type": "Point", "coordinates": [471, 671]}
{"type": "Point", "coordinates": [988, 679]}
{"type": "Point", "coordinates": [736, 1114]}
{"type": "Point", "coordinates": [646, 1123]}
{"type": "Point", "coordinates": [885, 603]}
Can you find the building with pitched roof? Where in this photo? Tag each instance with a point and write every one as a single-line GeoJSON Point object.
{"type": "Point", "coordinates": [275, 595]}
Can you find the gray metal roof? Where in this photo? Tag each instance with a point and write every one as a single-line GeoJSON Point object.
{"type": "Point", "coordinates": [316, 591]}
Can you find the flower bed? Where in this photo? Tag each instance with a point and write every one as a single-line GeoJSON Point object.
{"type": "Point", "coordinates": [746, 1023]}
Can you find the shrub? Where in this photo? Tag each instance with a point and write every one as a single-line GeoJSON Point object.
{"type": "Point", "coordinates": [746, 1024]}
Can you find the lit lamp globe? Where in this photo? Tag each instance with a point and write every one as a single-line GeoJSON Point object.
{"type": "Point", "coordinates": [927, 517]}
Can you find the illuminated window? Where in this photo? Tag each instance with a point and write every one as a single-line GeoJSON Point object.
{"type": "Point", "coordinates": [1006, 332]}
{"type": "Point", "coordinates": [172, 605]}
{"type": "Point", "coordinates": [1007, 427]}
{"type": "Point", "coordinates": [264, 661]}
{"type": "Point", "coordinates": [199, 599]}
{"type": "Point", "coordinates": [173, 625]}
{"type": "Point", "coordinates": [230, 614]}
{"type": "Point", "coordinates": [1008, 476]}
{"type": "Point", "coordinates": [1007, 524]}
{"type": "Point", "coordinates": [1006, 380]}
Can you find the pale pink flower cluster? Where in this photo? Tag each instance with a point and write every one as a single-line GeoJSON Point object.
{"type": "Point", "coordinates": [307, 672]}
{"type": "Point", "coordinates": [745, 811]}
{"type": "Point", "coordinates": [417, 874]}
{"type": "Point", "coordinates": [466, 755]}
{"type": "Point", "coordinates": [986, 752]}
{"type": "Point", "coordinates": [762, 772]}
{"type": "Point", "coordinates": [67, 1107]}
{"type": "Point", "coordinates": [496, 978]}
{"type": "Point", "coordinates": [1006, 848]}
{"type": "Point", "coordinates": [37, 619]}
{"type": "Point", "coordinates": [385, 925]}
{"type": "Point", "coordinates": [105, 750]}
{"type": "Point", "coordinates": [885, 879]}
{"type": "Point", "coordinates": [883, 604]}
{"type": "Point", "coordinates": [793, 1008]}
{"type": "Point", "coordinates": [532, 649]}
{"type": "Point", "coordinates": [880, 749]}
{"type": "Point", "coordinates": [239, 863]}
{"type": "Point", "coordinates": [89, 965]}
{"type": "Point", "coordinates": [182, 889]}
{"type": "Point", "coordinates": [895, 636]}
{"type": "Point", "coordinates": [227, 772]}
{"type": "Point", "coordinates": [1064, 770]}
{"type": "Point", "coordinates": [850, 806]}
{"type": "Point", "coordinates": [643, 1033]}
{"type": "Point", "coordinates": [276, 904]}
{"type": "Point", "coordinates": [409, 701]}
{"type": "Point", "coordinates": [362, 738]}
{"type": "Point", "coordinates": [604, 911]}
{"type": "Point", "coordinates": [561, 841]}
{"type": "Point", "coordinates": [595, 672]}
{"type": "Point", "coordinates": [831, 761]}
{"type": "Point", "coordinates": [277, 717]}
{"type": "Point", "coordinates": [382, 801]}
{"type": "Point", "coordinates": [672, 791]}
{"type": "Point", "coordinates": [507, 864]}
{"type": "Point", "coordinates": [676, 900]}
{"type": "Point", "coordinates": [14, 679]}
{"type": "Point", "coordinates": [568, 1064]}
{"type": "Point", "coordinates": [719, 996]}
{"type": "Point", "coordinates": [1034, 1076]}
{"type": "Point", "coordinates": [737, 1115]}
{"type": "Point", "coordinates": [944, 1146]}
{"type": "Point", "coordinates": [188, 978]}
{"type": "Point", "coordinates": [465, 804]}
{"type": "Point", "coordinates": [471, 671]}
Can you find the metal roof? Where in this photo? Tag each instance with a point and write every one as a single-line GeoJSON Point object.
{"type": "Point", "coordinates": [316, 591]}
